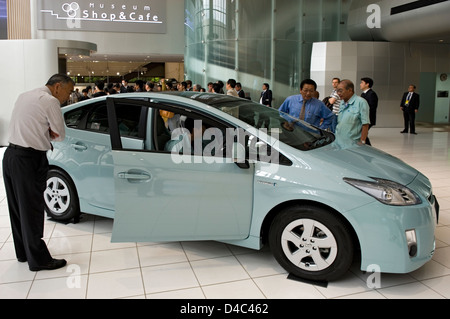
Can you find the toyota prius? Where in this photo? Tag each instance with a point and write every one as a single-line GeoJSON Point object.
{"type": "Point", "coordinates": [190, 166]}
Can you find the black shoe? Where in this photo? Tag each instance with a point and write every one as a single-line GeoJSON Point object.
{"type": "Point", "coordinates": [53, 264]}
{"type": "Point", "coordinates": [22, 260]}
{"type": "Point", "coordinates": [403, 132]}
{"type": "Point", "coordinates": [414, 133]}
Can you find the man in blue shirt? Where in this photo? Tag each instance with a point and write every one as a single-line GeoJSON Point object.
{"type": "Point", "coordinates": [353, 118]}
{"type": "Point", "coordinates": [309, 109]}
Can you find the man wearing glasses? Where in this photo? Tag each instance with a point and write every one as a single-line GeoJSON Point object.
{"type": "Point", "coordinates": [353, 119]}
{"type": "Point", "coordinates": [36, 121]}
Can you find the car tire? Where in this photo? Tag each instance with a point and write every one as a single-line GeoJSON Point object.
{"type": "Point", "coordinates": [311, 243]}
{"type": "Point", "coordinates": [60, 195]}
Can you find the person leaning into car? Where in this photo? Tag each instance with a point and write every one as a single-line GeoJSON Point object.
{"type": "Point", "coordinates": [36, 121]}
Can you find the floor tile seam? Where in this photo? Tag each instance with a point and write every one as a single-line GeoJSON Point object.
{"type": "Point", "coordinates": [211, 258]}
{"type": "Point", "coordinates": [358, 293]}
{"type": "Point", "coordinates": [235, 281]}
{"type": "Point", "coordinates": [443, 247]}
{"type": "Point", "coordinates": [430, 287]}
{"type": "Point", "coordinates": [59, 277]}
{"type": "Point", "coordinates": [112, 270]}
{"type": "Point", "coordinates": [193, 271]}
{"type": "Point", "coordinates": [31, 286]}
{"type": "Point", "coordinates": [89, 265]}
{"type": "Point", "coordinates": [360, 275]}
{"type": "Point", "coordinates": [206, 258]}
{"type": "Point", "coordinates": [405, 284]}
{"type": "Point", "coordinates": [251, 278]}
{"type": "Point", "coordinates": [15, 282]}
{"type": "Point", "coordinates": [441, 264]}
{"type": "Point", "coordinates": [413, 280]}
{"type": "Point", "coordinates": [2, 244]}
{"type": "Point", "coordinates": [69, 236]}
{"type": "Point", "coordinates": [140, 270]}
{"type": "Point", "coordinates": [435, 276]}
{"type": "Point", "coordinates": [132, 247]}
{"type": "Point", "coordinates": [446, 245]}
{"type": "Point", "coordinates": [173, 290]}
{"type": "Point", "coordinates": [185, 254]}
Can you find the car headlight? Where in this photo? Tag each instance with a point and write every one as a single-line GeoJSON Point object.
{"type": "Point", "coordinates": [387, 192]}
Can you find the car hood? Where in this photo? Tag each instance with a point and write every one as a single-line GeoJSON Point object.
{"type": "Point", "coordinates": [363, 162]}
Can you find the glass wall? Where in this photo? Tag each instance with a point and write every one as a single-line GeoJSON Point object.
{"type": "Point", "coordinates": [258, 41]}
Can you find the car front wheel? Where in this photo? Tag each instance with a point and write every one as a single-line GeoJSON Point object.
{"type": "Point", "coordinates": [311, 243]}
{"type": "Point", "coordinates": [61, 200]}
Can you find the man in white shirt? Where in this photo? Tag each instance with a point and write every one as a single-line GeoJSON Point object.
{"type": "Point", "coordinates": [36, 121]}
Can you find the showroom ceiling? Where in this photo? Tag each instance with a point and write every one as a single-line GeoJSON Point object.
{"type": "Point", "coordinates": [115, 64]}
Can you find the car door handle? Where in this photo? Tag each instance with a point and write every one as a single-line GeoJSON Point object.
{"type": "Point", "coordinates": [134, 176]}
{"type": "Point", "coordinates": [79, 147]}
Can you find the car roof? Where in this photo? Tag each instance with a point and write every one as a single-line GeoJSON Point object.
{"type": "Point", "coordinates": [211, 99]}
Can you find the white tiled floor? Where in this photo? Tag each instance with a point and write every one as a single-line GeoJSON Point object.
{"type": "Point", "coordinates": [211, 270]}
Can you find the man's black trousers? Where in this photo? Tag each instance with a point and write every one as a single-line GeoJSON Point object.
{"type": "Point", "coordinates": [25, 174]}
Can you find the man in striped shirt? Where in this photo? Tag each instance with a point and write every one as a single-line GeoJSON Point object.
{"type": "Point", "coordinates": [334, 99]}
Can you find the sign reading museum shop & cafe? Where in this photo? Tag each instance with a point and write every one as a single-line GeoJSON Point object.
{"type": "Point", "coordinates": [140, 16]}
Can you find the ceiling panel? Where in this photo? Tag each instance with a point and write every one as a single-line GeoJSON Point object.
{"type": "Point", "coordinates": [114, 64]}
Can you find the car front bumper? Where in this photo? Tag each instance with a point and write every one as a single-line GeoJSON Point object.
{"type": "Point", "coordinates": [396, 239]}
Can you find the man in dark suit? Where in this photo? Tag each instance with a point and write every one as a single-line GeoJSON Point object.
{"type": "Point", "coordinates": [372, 99]}
{"type": "Point", "coordinates": [410, 106]}
{"type": "Point", "coordinates": [266, 95]}
{"type": "Point", "coordinates": [124, 87]}
{"type": "Point", "coordinates": [239, 90]}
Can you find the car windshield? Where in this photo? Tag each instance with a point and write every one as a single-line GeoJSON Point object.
{"type": "Point", "coordinates": [289, 130]}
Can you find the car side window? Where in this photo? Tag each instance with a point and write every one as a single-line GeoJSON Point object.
{"type": "Point", "coordinates": [187, 133]}
{"type": "Point", "coordinates": [98, 119]}
{"type": "Point", "coordinates": [131, 120]}
{"type": "Point", "coordinates": [74, 118]}
{"type": "Point", "coordinates": [128, 119]}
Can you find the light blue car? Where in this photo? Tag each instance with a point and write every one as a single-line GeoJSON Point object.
{"type": "Point", "coordinates": [199, 166]}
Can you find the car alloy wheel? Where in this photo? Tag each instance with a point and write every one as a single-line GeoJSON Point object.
{"type": "Point", "coordinates": [311, 243]}
{"type": "Point", "coordinates": [61, 200]}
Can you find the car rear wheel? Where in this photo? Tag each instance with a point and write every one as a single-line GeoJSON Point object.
{"type": "Point", "coordinates": [61, 199]}
{"type": "Point", "coordinates": [311, 243]}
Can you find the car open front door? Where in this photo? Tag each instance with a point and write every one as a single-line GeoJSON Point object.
{"type": "Point", "coordinates": [158, 198]}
